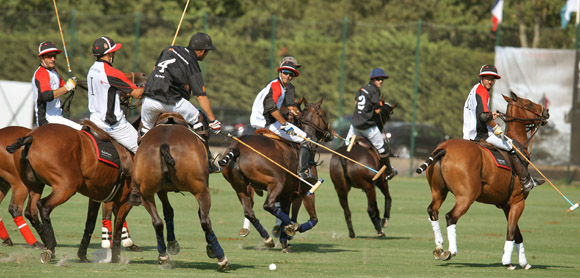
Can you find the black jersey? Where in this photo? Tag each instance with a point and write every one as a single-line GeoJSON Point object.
{"type": "Point", "coordinates": [174, 68]}
{"type": "Point", "coordinates": [367, 101]}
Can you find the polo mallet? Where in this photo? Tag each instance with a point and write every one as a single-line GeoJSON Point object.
{"type": "Point", "coordinates": [573, 206]}
{"type": "Point", "coordinates": [313, 187]}
{"type": "Point", "coordinates": [351, 141]}
{"type": "Point", "coordinates": [66, 103]}
{"type": "Point", "coordinates": [181, 20]}
{"type": "Point", "coordinates": [378, 173]}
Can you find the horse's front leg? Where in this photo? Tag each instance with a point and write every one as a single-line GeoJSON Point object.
{"type": "Point", "coordinates": [270, 206]}
{"type": "Point", "coordinates": [247, 204]}
{"type": "Point", "coordinates": [16, 208]}
{"type": "Point", "coordinates": [31, 213]}
{"type": "Point", "coordinates": [92, 212]}
{"type": "Point", "coordinates": [121, 210]}
{"type": "Point", "coordinates": [514, 235]}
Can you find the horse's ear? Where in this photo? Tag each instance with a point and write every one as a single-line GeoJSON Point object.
{"type": "Point", "coordinates": [305, 101]}
{"type": "Point", "coordinates": [300, 101]}
{"type": "Point", "coordinates": [320, 102]}
{"type": "Point", "coordinates": [507, 99]}
{"type": "Point", "coordinates": [514, 96]}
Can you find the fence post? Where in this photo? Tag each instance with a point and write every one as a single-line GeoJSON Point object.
{"type": "Point", "coordinates": [205, 31]}
{"type": "Point", "coordinates": [137, 34]}
{"type": "Point", "coordinates": [341, 79]}
{"type": "Point", "coordinates": [274, 18]}
{"type": "Point", "coordinates": [415, 90]}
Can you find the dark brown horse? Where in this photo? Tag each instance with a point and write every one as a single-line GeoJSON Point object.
{"type": "Point", "coordinates": [345, 175]}
{"type": "Point", "coordinates": [9, 179]}
{"type": "Point", "coordinates": [172, 158]}
{"type": "Point", "coordinates": [244, 167]}
{"type": "Point", "coordinates": [470, 173]}
{"type": "Point", "coordinates": [65, 159]}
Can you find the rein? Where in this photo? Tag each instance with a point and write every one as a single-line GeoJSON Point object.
{"type": "Point", "coordinates": [326, 132]}
{"type": "Point", "coordinates": [530, 127]}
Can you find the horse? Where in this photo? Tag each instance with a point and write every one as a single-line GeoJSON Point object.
{"type": "Point", "coordinates": [173, 158]}
{"type": "Point", "coordinates": [345, 175]}
{"type": "Point", "coordinates": [9, 179]}
{"type": "Point", "coordinates": [65, 159]}
{"type": "Point", "coordinates": [243, 167]}
{"type": "Point", "coordinates": [469, 172]}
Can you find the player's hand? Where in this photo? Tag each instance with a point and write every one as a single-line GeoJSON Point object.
{"type": "Point", "coordinates": [215, 126]}
{"type": "Point", "coordinates": [71, 83]}
{"type": "Point", "coordinates": [288, 129]}
{"type": "Point", "coordinates": [497, 130]}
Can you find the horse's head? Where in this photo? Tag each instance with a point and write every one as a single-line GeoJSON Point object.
{"type": "Point", "coordinates": [385, 114]}
{"type": "Point", "coordinates": [314, 121]}
{"type": "Point", "coordinates": [525, 111]}
{"type": "Point", "coordinates": [138, 78]}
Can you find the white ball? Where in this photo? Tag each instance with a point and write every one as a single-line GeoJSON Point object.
{"type": "Point", "coordinates": [272, 266]}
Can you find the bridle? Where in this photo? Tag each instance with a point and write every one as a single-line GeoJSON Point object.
{"type": "Point", "coordinates": [532, 124]}
{"type": "Point", "coordinates": [326, 132]}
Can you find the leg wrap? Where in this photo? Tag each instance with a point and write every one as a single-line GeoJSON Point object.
{"type": "Point", "coordinates": [521, 254]}
{"type": "Point", "coordinates": [246, 224]}
{"type": "Point", "coordinates": [212, 241]}
{"type": "Point", "coordinates": [508, 248]}
{"type": "Point", "coordinates": [307, 226]}
{"type": "Point", "coordinates": [126, 240]}
{"type": "Point", "coordinates": [170, 229]}
{"type": "Point", "coordinates": [24, 230]}
{"type": "Point", "coordinates": [437, 232]}
{"type": "Point", "coordinates": [107, 235]}
{"type": "Point", "coordinates": [260, 229]}
{"type": "Point", "coordinates": [282, 216]}
{"type": "Point", "coordinates": [452, 237]}
{"type": "Point", "coordinates": [3, 232]}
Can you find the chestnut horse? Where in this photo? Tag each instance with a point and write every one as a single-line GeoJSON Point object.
{"type": "Point", "coordinates": [345, 175]}
{"type": "Point", "coordinates": [9, 179]}
{"type": "Point", "coordinates": [470, 173]}
{"type": "Point", "coordinates": [65, 159]}
{"type": "Point", "coordinates": [171, 157]}
{"type": "Point", "coordinates": [243, 167]}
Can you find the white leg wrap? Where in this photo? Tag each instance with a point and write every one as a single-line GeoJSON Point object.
{"type": "Point", "coordinates": [437, 232]}
{"type": "Point", "coordinates": [105, 238]}
{"type": "Point", "coordinates": [126, 240]}
{"type": "Point", "coordinates": [508, 248]}
{"type": "Point", "coordinates": [521, 254]}
{"type": "Point", "coordinates": [246, 223]}
{"type": "Point", "coordinates": [452, 237]}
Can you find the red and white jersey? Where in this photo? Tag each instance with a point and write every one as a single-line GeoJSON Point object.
{"type": "Point", "coordinates": [105, 84]}
{"type": "Point", "coordinates": [44, 82]}
{"type": "Point", "coordinates": [268, 100]}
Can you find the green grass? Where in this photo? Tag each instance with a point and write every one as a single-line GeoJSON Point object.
{"type": "Point", "coordinates": [550, 236]}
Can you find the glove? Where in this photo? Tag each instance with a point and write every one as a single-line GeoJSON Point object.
{"type": "Point", "coordinates": [288, 129]}
{"type": "Point", "coordinates": [71, 83]}
{"type": "Point", "coordinates": [215, 126]}
{"type": "Point", "coordinates": [497, 130]}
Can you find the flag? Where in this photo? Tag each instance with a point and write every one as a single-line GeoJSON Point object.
{"type": "Point", "coordinates": [496, 13]}
{"type": "Point", "coordinates": [569, 7]}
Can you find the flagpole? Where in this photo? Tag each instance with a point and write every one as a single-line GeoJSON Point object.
{"type": "Point", "coordinates": [498, 36]}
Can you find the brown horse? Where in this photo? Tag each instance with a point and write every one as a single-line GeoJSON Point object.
{"type": "Point", "coordinates": [172, 158]}
{"type": "Point", "coordinates": [243, 167]}
{"type": "Point", "coordinates": [345, 175]}
{"type": "Point", "coordinates": [9, 179]}
{"type": "Point", "coordinates": [65, 159]}
{"type": "Point", "coordinates": [469, 172]}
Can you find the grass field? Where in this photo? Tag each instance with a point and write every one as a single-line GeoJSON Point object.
{"type": "Point", "coordinates": [550, 236]}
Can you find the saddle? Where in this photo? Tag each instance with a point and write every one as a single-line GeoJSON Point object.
{"type": "Point", "coordinates": [124, 155]}
{"type": "Point", "coordinates": [171, 118]}
{"type": "Point", "coordinates": [499, 156]}
{"type": "Point", "coordinates": [365, 143]}
{"type": "Point", "coordinates": [268, 133]}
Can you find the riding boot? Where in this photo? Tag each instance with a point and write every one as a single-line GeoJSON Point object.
{"type": "Point", "coordinates": [385, 159]}
{"type": "Point", "coordinates": [521, 168]}
{"type": "Point", "coordinates": [304, 165]}
{"type": "Point", "coordinates": [204, 133]}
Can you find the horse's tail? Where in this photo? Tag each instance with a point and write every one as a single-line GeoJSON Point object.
{"type": "Point", "coordinates": [166, 158]}
{"type": "Point", "coordinates": [230, 156]}
{"type": "Point", "coordinates": [23, 141]}
{"type": "Point", "coordinates": [435, 156]}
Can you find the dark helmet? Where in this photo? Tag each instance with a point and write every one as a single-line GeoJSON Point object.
{"type": "Point", "coordinates": [489, 70]}
{"type": "Point", "coordinates": [105, 45]}
{"type": "Point", "coordinates": [289, 65]}
{"type": "Point", "coordinates": [200, 41]}
{"type": "Point", "coordinates": [47, 47]}
{"type": "Point", "coordinates": [378, 73]}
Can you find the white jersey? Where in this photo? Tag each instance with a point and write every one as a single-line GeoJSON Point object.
{"type": "Point", "coordinates": [469, 115]}
{"type": "Point", "coordinates": [44, 82]}
{"type": "Point", "coordinates": [105, 84]}
{"type": "Point", "coordinates": [273, 90]}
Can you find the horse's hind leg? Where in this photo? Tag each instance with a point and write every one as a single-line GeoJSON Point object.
{"type": "Point", "coordinates": [149, 204]}
{"type": "Point", "coordinates": [214, 249]}
{"type": "Point", "coordinates": [46, 205]}
{"type": "Point", "coordinates": [92, 212]}
{"type": "Point", "coordinates": [4, 236]}
{"type": "Point", "coordinates": [384, 187]}
{"type": "Point", "coordinates": [513, 214]}
{"type": "Point", "coordinates": [438, 194]}
{"type": "Point", "coordinates": [373, 210]}
{"type": "Point", "coordinates": [247, 203]}
{"type": "Point", "coordinates": [120, 209]}
{"type": "Point", "coordinates": [172, 244]}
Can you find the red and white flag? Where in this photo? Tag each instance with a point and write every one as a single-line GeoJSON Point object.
{"type": "Point", "coordinates": [496, 13]}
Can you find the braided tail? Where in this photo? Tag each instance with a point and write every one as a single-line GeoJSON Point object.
{"type": "Point", "coordinates": [27, 140]}
{"type": "Point", "coordinates": [435, 156]}
{"type": "Point", "coordinates": [231, 155]}
{"type": "Point", "coordinates": [166, 157]}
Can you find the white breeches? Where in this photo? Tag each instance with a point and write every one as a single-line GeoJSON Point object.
{"type": "Point", "coordinates": [275, 127]}
{"type": "Point", "coordinates": [373, 134]}
{"type": "Point", "coordinates": [151, 109]}
{"type": "Point", "coordinates": [123, 132]}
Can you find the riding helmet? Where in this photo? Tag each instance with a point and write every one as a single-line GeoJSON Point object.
{"type": "Point", "coordinates": [47, 47]}
{"type": "Point", "coordinates": [378, 73]}
{"type": "Point", "coordinates": [200, 41]}
{"type": "Point", "coordinates": [489, 70]}
{"type": "Point", "coordinates": [290, 59]}
{"type": "Point", "coordinates": [105, 45]}
{"type": "Point", "coordinates": [289, 65]}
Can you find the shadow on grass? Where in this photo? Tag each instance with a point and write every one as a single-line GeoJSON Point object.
{"type": "Point", "coordinates": [302, 247]}
{"type": "Point", "coordinates": [382, 238]}
{"type": "Point", "coordinates": [499, 265]}
{"type": "Point", "coordinates": [211, 266]}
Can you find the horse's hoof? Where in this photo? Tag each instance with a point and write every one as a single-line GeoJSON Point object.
{"type": "Point", "coordinates": [276, 231]}
{"type": "Point", "coordinates": [269, 242]}
{"type": "Point", "coordinates": [351, 235]}
{"type": "Point", "coordinates": [173, 247]}
{"type": "Point", "coordinates": [511, 267]}
{"type": "Point", "coordinates": [210, 252]}
{"type": "Point", "coordinates": [46, 256]}
{"type": "Point", "coordinates": [37, 245]}
{"type": "Point", "coordinates": [527, 266]}
{"type": "Point", "coordinates": [291, 229]}
{"type": "Point", "coordinates": [244, 232]}
{"type": "Point", "coordinates": [438, 252]}
{"type": "Point", "coordinates": [447, 256]}
{"type": "Point", "coordinates": [163, 259]}
{"type": "Point", "coordinates": [380, 234]}
{"type": "Point", "coordinates": [384, 222]}
{"type": "Point", "coordinates": [224, 264]}
{"type": "Point", "coordinates": [286, 250]}
{"type": "Point", "coordinates": [7, 242]}
{"type": "Point", "coordinates": [84, 259]}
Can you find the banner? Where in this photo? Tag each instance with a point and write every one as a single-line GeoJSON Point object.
{"type": "Point", "coordinates": [543, 76]}
{"type": "Point", "coordinates": [16, 107]}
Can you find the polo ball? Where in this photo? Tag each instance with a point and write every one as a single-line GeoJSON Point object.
{"type": "Point", "coordinates": [272, 266]}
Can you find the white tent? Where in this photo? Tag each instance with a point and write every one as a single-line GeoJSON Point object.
{"type": "Point", "coordinates": [16, 107]}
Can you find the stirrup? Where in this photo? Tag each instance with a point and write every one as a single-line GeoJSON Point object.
{"type": "Point", "coordinates": [391, 174]}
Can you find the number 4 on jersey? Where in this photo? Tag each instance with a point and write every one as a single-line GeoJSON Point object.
{"type": "Point", "coordinates": [165, 64]}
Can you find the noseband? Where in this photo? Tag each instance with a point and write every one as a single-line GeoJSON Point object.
{"type": "Point", "coordinates": [326, 131]}
{"type": "Point", "coordinates": [533, 127]}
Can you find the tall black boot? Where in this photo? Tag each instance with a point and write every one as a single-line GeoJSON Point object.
{"type": "Point", "coordinates": [385, 159]}
{"type": "Point", "coordinates": [204, 133]}
{"type": "Point", "coordinates": [521, 168]}
{"type": "Point", "coordinates": [303, 164]}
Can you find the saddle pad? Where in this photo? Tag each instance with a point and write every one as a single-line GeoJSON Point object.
{"type": "Point", "coordinates": [106, 151]}
{"type": "Point", "coordinates": [497, 158]}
